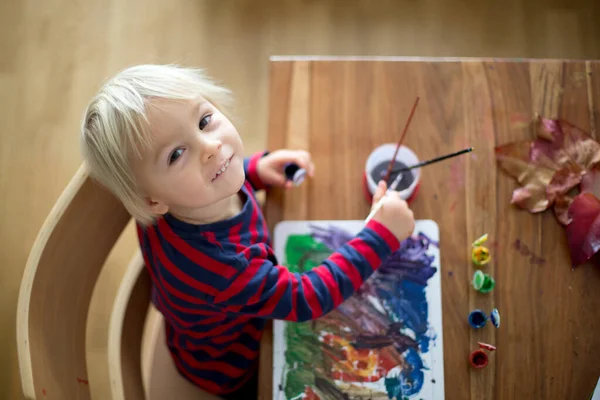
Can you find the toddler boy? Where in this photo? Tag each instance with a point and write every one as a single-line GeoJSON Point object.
{"type": "Point", "coordinates": [158, 137]}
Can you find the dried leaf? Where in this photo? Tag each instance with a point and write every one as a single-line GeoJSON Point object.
{"type": "Point", "coordinates": [583, 231]}
{"type": "Point", "coordinates": [545, 128]}
{"type": "Point", "coordinates": [590, 182]}
{"type": "Point", "coordinates": [513, 159]}
{"type": "Point", "coordinates": [531, 197]}
{"type": "Point", "coordinates": [561, 209]}
{"type": "Point", "coordinates": [550, 166]}
{"type": "Point", "coordinates": [569, 144]}
{"type": "Point", "coordinates": [580, 146]}
{"type": "Point", "coordinates": [564, 181]}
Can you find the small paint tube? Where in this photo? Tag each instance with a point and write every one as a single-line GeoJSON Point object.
{"type": "Point", "coordinates": [486, 346]}
{"type": "Point", "coordinates": [477, 319]}
{"type": "Point", "coordinates": [478, 359]}
{"type": "Point", "coordinates": [495, 317]}
{"type": "Point", "coordinates": [294, 173]}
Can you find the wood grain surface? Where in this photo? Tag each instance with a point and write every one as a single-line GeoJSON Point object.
{"type": "Point", "coordinates": [56, 53]}
{"type": "Point", "coordinates": [340, 110]}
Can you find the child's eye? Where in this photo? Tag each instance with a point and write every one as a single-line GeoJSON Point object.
{"type": "Point", "coordinates": [175, 155]}
{"type": "Point", "coordinates": [204, 121]}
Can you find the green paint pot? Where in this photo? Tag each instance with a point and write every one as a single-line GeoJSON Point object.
{"type": "Point", "coordinates": [483, 283]}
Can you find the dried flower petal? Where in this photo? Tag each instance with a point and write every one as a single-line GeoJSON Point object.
{"type": "Point", "coordinates": [583, 231]}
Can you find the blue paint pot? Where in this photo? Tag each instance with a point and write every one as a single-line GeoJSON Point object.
{"type": "Point", "coordinates": [477, 319]}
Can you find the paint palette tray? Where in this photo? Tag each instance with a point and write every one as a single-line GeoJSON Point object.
{"type": "Point", "coordinates": [383, 342]}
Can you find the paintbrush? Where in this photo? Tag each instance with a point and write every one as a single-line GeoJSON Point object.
{"type": "Point", "coordinates": [379, 204]}
{"type": "Point", "coordinates": [434, 160]}
{"type": "Point", "coordinates": [391, 164]}
{"type": "Point", "coordinates": [396, 181]}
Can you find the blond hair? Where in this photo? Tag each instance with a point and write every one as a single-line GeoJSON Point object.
{"type": "Point", "coordinates": [116, 125]}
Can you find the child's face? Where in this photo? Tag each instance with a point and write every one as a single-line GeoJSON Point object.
{"type": "Point", "coordinates": [192, 142]}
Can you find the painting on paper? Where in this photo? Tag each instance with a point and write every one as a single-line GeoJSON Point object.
{"type": "Point", "coordinates": [384, 342]}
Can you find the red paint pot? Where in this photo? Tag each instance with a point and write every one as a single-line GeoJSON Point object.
{"type": "Point", "coordinates": [478, 359]}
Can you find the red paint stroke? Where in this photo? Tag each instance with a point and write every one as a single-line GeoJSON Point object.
{"type": "Point", "coordinates": [44, 392]}
{"type": "Point", "coordinates": [526, 252]}
{"type": "Point", "coordinates": [453, 206]}
{"type": "Point", "coordinates": [84, 381]}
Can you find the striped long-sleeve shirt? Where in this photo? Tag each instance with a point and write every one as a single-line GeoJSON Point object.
{"type": "Point", "coordinates": [216, 284]}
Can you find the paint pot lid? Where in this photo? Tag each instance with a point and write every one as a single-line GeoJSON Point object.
{"type": "Point", "coordinates": [486, 346]}
{"type": "Point", "coordinates": [299, 176]}
{"type": "Point", "coordinates": [480, 240]}
{"type": "Point", "coordinates": [478, 279]}
{"type": "Point", "coordinates": [495, 317]}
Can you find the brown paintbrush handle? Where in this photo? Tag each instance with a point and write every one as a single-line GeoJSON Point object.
{"type": "Point", "coordinates": [393, 160]}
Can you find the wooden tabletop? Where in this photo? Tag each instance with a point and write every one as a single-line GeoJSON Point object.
{"type": "Point", "coordinates": [548, 344]}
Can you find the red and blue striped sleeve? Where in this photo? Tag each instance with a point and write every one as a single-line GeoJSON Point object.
{"type": "Point", "coordinates": [264, 289]}
{"type": "Point", "coordinates": [250, 164]}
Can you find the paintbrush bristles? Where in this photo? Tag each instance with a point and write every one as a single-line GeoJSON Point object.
{"type": "Point", "coordinates": [393, 160]}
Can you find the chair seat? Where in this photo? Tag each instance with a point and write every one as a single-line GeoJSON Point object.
{"type": "Point", "coordinates": [161, 378]}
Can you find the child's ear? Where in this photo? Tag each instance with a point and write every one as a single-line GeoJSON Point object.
{"type": "Point", "coordinates": [157, 207]}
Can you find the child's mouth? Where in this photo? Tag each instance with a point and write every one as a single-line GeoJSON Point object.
{"type": "Point", "coordinates": [223, 168]}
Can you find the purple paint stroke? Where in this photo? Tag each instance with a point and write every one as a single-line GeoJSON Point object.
{"type": "Point", "coordinates": [332, 236]}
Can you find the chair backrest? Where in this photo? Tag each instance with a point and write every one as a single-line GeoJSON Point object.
{"type": "Point", "coordinates": [126, 332]}
{"type": "Point", "coordinates": [56, 289]}
{"type": "Point", "coordinates": [61, 272]}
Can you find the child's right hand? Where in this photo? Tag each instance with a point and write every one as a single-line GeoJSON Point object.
{"type": "Point", "coordinates": [394, 214]}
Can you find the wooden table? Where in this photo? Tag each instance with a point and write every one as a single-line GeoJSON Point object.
{"type": "Point", "coordinates": [341, 109]}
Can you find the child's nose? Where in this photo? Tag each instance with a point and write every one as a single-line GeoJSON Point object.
{"type": "Point", "coordinates": [211, 148]}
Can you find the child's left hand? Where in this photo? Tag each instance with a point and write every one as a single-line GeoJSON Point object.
{"type": "Point", "coordinates": [270, 168]}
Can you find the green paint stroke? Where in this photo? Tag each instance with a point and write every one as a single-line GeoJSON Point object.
{"type": "Point", "coordinates": [302, 253]}
{"type": "Point", "coordinates": [301, 358]}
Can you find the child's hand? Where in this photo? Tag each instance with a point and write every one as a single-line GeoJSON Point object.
{"type": "Point", "coordinates": [394, 214]}
{"type": "Point", "coordinates": [270, 168]}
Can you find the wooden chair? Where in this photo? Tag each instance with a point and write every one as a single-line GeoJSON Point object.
{"type": "Point", "coordinates": [55, 294]}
